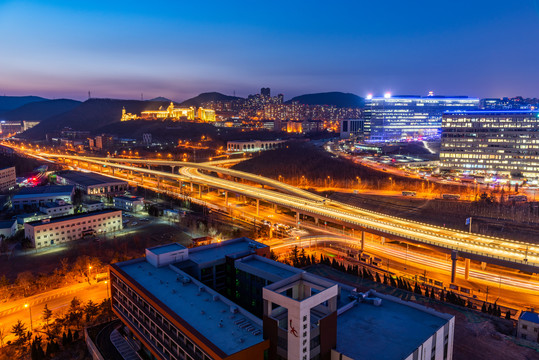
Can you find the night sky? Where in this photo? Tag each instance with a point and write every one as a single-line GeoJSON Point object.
{"type": "Point", "coordinates": [178, 49]}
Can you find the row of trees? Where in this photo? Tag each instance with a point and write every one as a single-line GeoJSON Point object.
{"type": "Point", "coordinates": [58, 328]}
{"type": "Point", "coordinates": [396, 282]}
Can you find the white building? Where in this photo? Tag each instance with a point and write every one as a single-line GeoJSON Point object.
{"type": "Point", "coordinates": [253, 145]}
{"type": "Point", "coordinates": [90, 205]}
{"type": "Point", "coordinates": [129, 203]}
{"type": "Point", "coordinates": [8, 179]}
{"type": "Point", "coordinates": [59, 230]}
{"type": "Point", "coordinates": [8, 228]}
{"type": "Point", "coordinates": [57, 208]}
{"type": "Point", "coordinates": [36, 196]}
{"type": "Point", "coordinates": [528, 326]}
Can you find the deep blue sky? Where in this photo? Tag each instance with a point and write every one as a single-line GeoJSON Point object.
{"type": "Point", "coordinates": [178, 49]}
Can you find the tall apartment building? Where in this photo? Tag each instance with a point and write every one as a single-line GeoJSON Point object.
{"type": "Point", "coordinates": [410, 117]}
{"type": "Point", "coordinates": [8, 179]}
{"type": "Point", "coordinates": [491, 142]}
{"type": "Point", "coordinates": [229, 301]}
{"type": "Point", "coordinates": [62, 229]}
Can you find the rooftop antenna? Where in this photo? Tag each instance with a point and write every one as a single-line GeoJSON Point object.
{"type": "Point", "coordinates": [234, 93]}
{"type": "Point", "coordinates": [141, 97]}
{"type": "Point", "coordinates": [89, 95]}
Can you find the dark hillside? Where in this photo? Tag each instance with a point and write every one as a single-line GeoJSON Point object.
{"type": "Point", "coordinates": [41, 110]}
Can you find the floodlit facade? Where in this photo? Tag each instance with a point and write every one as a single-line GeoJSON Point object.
{"type": "Point", "coordinates": [253, 145]}
{"type": "Point", "coordinates": [230, 301]}
{"type": "Point", "coordinates": [8, 179]}
{"type": "Point", "coordinates": [129, 203]}
{"type": "Point", "coordinates": [491, 142]}
{"type": "Point", "coordinates": [390, 118]}
{"type": "Point", "coordinates": [206, 115]}
{"type": "Point", "coordinates": [57, 208]}
{"type": "Point", "coordinates": [48, 232]}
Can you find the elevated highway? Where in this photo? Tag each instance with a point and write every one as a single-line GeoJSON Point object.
{"type": "Point", "coordinates": [511, 253]}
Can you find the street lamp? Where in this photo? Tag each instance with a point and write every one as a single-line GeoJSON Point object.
{"type": "Point", "coordinates": [89, 271]}
{"type": "Point", "coordinates": [30, 310]}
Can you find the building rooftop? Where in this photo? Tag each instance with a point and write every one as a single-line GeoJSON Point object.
{"type": "Point", "coordinates": [206, 311]}
{"type": "Point", "coordinates": [129, 198]}
{"type": "Point", "coordinates": [51, 205]}
{"type": "Point", "coordinates": [65, 190]}
{"type": "Point", "coordinates": [6, 224]}
{"type": "Point", "coordinates": [87, 178]}
{"type": "Point", "coordinates": [209, 253]}
{"type": "Point", "coordinates": [490, 111]}
{"type": "Point", "coordinates": [265, 268]}
{"type": "Point", "coordinates": [162, 249]}
{"type": "Point", "coordinates": [530, 316]}
{"type": "Point", "coordinates": [70, 217]}
{"type": "Point", "coordinates": [393, 330]}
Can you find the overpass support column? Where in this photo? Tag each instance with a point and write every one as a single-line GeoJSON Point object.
{"type": "Point", "coordinates": [112, 169]}
{"type": "Point", "coordinates": [382, 240]}
{"type": "Point", "coordinates": [200, 191]}
{"type": "Point", "coordinates": [226, 198]}
{"type": "Point", "coordinates": [297, 219]}
{"type": "Point", "coordinates": [191, 187]}
{"type": "Point", "coordinates": [275, 208]}
{"type": "Point", "coordinates": [316, 221]}
{"type": "Point", "coordinates": [362, 240]}
{"type": "Point", "coordinates": [483, 265]}
{"type": "Point", "coordinates": [173, 167]}
{"type": "Point", "coordinates": [466, 268]}
{"type": "Point", "coordinates": [257, 207]}
{"type": "Point", "coordinates": [454, 257]}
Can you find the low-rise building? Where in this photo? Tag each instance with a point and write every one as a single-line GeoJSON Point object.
{"type": "Point", "coordinates": [129, 203]}
{"type": "Point", "coordinates": [8, 228]}
{"type": "Point", "coordinates": [229, 301]}
{"type": "Point", "coordinates": [56, 208]}
{"type": "Point", "coordinates": [254, 145]}
{"type": "Point", "coordinates": [91, 183]}
{"type": "Point", "coordinates": [59, 230]}
{"type": "Point", "coordinates": [528, 326]}
{"type": "Point", "coordinates": [34, 197]}
{"type": "Point", "coordinates": [92, 205]}
{"type": "Point", "coordinates": [8, 179]}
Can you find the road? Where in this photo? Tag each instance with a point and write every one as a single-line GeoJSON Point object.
{"type": "Point", "coordinates": [514, 253]}
{"type": "Point", "coordinates": [57, 300]}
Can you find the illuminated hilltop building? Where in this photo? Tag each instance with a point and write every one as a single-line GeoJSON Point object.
{"type": "Point", "coordinates": [206, 115]}
{"type": "Point", "coordinates": [172, 113]}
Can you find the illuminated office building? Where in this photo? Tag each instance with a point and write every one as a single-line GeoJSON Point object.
{"type": "Point", "coordinates": [491, 141]}
{"type": "Point", "coordinates": [390, 118]}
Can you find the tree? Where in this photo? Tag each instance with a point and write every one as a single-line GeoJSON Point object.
{"type": "Point", "coordinates": [508, 315]}
{"type": "Point", "coordinates": [74, 314]}
{"type": "Point", "coordinates": [25, 280]}
{"type": "Point", "coordinates": [20, 331]}
{"type": "Point", "coordinates": [273, 256]}
{"type": "Point", "coordinates": [90, 310]}
{"type": "Point", "coordinates": [3, 335]}
{"type": "Point", "coordinates": [47, 315]}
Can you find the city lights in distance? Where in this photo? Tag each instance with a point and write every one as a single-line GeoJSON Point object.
{"type": "Point", "coordinates": [387, 95]}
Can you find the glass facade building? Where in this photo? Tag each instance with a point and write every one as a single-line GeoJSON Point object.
{"type": "Point", "coordinates": [391, 118]}
{"type": "Point", "coordinates": [491, 141]}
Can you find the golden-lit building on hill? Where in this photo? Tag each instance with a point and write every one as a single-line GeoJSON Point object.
{"type": "Point", "coordinates": [172, 113]}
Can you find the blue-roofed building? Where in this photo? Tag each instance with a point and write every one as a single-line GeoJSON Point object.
{"type": "Point", "coordinates": [8, 228]}
{"type": "Point", "coordinates": [528, 326]}
{"type": "Point", "coordinates": [34, 197]}
{"type": "Point", "coordinates": [266, 310]}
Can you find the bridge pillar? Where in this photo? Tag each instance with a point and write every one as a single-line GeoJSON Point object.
{"type": "Point", "coordinates": [483, 265]}
{"type": "Point", "coordinates": [191, 187]}
{"type": "Point", "coordinates": [454, 257]}
{"type": "Point", "coordinates": [316, 221]}
{"type": "Point", "coordinates": [112, 169]}
{"type": "Point", "coordinates": [257, 207]}
{"type": "Point", "coordinates": [362, 240]}
{"type": "Point", "coordinates": [200, 191]}
{"type": "Point", "coordinates": [382, 240]}
{"type": "Point", "coordinates": [466, 268]}
{"type": "Point", "coordinates": [226, 198]}
{"type": "Point", "coordinates": [173, 167]}
{"type": "Point", "coordinates": [297, 219]}
{"type": "Point", "coordinates": [275, 208]}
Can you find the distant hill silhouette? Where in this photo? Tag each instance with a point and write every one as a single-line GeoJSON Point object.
{"type": "Point", "coordinates": [160, 98]}
{"type": "Point", "coordinates": [338, 99]}
{"type": "Point", "coordinates": [8, 103]}
{"type": "Point", "coordinates": [41, 110]}
{"type": "Point", "coordinates": [209, 96]}
{"type": "Point", "coordinates": [91, 115]}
